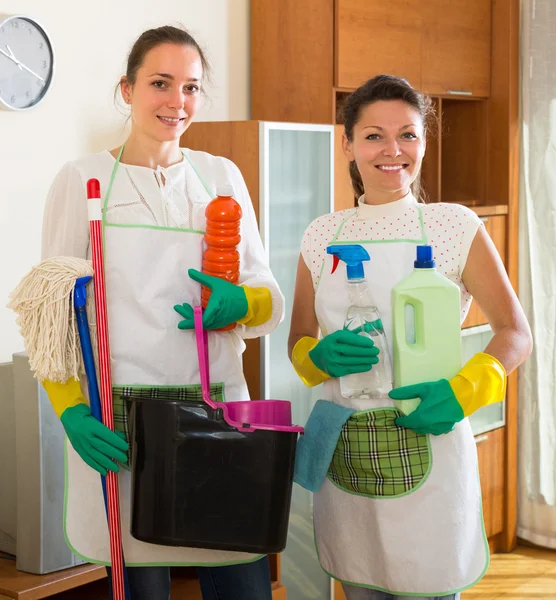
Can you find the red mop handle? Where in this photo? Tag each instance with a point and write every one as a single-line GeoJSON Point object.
{"type": "Point", "coordinates": [95, 223]}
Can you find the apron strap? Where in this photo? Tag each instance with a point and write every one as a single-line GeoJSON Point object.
{"type": "Point", "coordinates": [109, 190]}
{"type": "Point", "coordinates": [205, 184]}
{"type": "Point", "coordinates": [115, 169]}
{"type": "Point", "coordinates": [424, 239]}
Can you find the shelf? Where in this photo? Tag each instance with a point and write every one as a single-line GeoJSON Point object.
{"type": "Point", "coordinates": [490, 211]}
{"type": "Point", "coordinates": [26, 586]}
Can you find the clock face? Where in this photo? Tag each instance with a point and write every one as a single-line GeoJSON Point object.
{"type": "Point", "coordinates": [26, 63]}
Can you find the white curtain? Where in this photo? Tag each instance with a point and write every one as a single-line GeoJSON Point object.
{"type": "Point", "coordinates": [537, 273]}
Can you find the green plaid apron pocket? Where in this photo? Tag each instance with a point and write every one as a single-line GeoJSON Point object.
{"type": "Point", "coordinates": [186, 393]}
{"type": "Point", "coordinates": [377, 458]}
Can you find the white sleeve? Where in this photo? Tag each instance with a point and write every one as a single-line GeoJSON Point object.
{"type": "Point", "coordinates": [65, 222]}
{"type": "Point", "coordinates": [255, 270]}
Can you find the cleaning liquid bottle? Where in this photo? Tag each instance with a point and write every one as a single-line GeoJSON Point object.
{"type": "Point", "coordinates": [363, 318]}
{"type": "Point", "coordinates": [427, 330]}
{"type": "Point", "coordinates": [221, 258]}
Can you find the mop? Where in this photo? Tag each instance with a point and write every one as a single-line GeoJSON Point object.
{"type": "Point", "coordinates": [44, 301]}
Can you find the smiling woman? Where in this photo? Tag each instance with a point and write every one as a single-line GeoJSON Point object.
{"type": "Point", "coordinates": [433, 528]}
{"type": "Point", "coordinates": [154, 195]}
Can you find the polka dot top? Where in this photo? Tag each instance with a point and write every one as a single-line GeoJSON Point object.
{"type": "Point", "coordinates": [450, 229]}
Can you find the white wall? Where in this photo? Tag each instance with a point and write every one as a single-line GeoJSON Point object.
{"type": "Point", "coordinates": [77, 117]}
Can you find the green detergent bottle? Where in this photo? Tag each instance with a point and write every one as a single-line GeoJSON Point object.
{"type": "Point", "coordinates": [426, 324]}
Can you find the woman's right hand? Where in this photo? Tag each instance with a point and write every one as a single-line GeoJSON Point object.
{"type": "Point", "coordinates": [97, 445]}
{"type": "Point", "coordinates": [343, 353]}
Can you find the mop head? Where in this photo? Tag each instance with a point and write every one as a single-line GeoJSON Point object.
{"type": "Point", "coordinates": [43, 302]}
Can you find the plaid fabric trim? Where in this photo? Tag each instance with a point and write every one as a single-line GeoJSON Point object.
{"type": "Point", "coordinates": [375, 457]}
{"type": "Point", "coordinates": [187, 393]}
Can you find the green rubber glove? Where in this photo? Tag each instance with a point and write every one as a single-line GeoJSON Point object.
{"type": "Point", "coordinates": [438, 412]}
{"type": "Point", "coordinates": [227, 303]}
{"type": "Point", "coordinates": [94, 442]}
{"type": "Point", "coordinates": [343, 353]}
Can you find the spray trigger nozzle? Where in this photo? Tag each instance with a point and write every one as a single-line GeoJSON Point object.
{"type": "Point", "coordinates": [353, 255]}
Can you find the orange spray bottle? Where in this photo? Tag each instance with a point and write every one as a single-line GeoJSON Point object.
{"type": "Point", "coordinates": [221, 258]}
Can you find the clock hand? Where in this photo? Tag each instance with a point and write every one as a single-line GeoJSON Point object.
{"type": "Point", "coordinates": [22, 66]}
{"type": "Point", "coordinates": [11, 56]}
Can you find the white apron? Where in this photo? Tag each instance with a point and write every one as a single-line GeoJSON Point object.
{"type": "Point", "coordinates": [146, 275]}
{"type": "Point", "coordinates": [429, 540]}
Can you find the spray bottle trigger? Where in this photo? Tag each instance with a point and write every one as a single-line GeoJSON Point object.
{"type": "Point", "coordinates": [336, 261]}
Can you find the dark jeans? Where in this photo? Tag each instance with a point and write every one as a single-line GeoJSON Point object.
{"type": "Point", "coordinates": [250, 581]}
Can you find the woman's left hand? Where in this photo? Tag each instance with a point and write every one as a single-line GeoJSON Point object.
{"type": "Point", "coordinates": [227, 303]}
{"type": "Point", "coordinates": [482, 381]}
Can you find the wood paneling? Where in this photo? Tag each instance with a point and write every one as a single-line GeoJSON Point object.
{"type": "Point", "coordinates": [463, 152]}
{"type": "Point", "coordinates": [377, 37]}
{"type": "Point", "coordinates": [292, 51]}
{"type": "Point", "coordinates": [431, 171]}
{"type": "Point", "coordinates": [455, 48]}
{"type": "Point", "coordinates": [496, 228]}
{"type": "Point", "coordinates": [491, 451]}
{"type": "Point", "coordinates": [343, 190]}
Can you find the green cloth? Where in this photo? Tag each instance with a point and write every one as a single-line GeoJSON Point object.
{"type": "Point", "coordinates": [375, 457]}
{"type": "Point", "coordinates": [94, 442]}
{"type": "Point", "coordinates": [438, 412]}
{"type": "Point", "coordinates": [343, 353]}
{"type": "Point", "coordinates": [227, 303]}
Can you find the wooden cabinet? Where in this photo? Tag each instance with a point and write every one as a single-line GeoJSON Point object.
{"type": "Point", "coordinates": [496, 227]}
{"type": "Point", "coordinates": [455, 47]}
{"type": "Point", "coordinates": [292, 53]}
{"type": "Point", "coordinates": [377, 37]}
{"type": "Point", "coordinates": [442, 48]}
{"type": "Point", "coordinates": [491, 452]}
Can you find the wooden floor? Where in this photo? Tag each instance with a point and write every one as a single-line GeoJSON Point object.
{"type": "Point", "coordinates": [526, 574]}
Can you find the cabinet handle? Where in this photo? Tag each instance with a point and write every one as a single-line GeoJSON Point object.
{"type": "Point", "coordinates": [459, 92]}
{"type": "Point", "coordinates": [481, 438]}
{"type": "Point", "coordinates": [484, 219]}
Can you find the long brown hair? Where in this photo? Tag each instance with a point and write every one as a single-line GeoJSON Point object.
{"type": "Point", "coordinates": [382, 87]}
{"type": "Point", "coordinates": [152, 38]}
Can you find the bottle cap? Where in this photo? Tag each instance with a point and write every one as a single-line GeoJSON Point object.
{"type": "Point", "coordinates": [425, 258]}
{"type": "Point", "coordinates": [224, 190]}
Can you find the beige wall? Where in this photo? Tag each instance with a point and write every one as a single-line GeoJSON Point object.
{"type": "Point", "coordinates": [91, 40]}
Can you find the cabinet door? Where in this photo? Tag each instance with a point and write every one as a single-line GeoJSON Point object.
{"type": "Point", "coordinates": [490, 450]}
{"type": "Point", "coordinates": [496, 228]}
{"type": "Point", "coordinates": [455, 47]}
{"type": "Point", "coordinates": [377, 37]}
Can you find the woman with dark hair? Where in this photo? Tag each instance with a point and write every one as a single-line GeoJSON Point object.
{"type": "Point", "coordinates": [397, 509]}
{"type": "Point", "coordinates": [154, 197]}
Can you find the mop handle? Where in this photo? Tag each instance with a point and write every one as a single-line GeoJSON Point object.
{"type": "Point", "coordinates": [94, 207]}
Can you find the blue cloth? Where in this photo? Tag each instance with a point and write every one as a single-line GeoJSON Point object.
{"type": "Point", "coordinates": [249, 581]}
{"type": "Point", "coordinates": [315, 448]}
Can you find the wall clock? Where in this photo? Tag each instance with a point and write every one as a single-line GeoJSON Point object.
{"type": "Point", "coordinates": [26, 63]}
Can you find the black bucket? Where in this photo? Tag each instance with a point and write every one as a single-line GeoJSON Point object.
{"type": "Point", "coordinates": [198, 481]}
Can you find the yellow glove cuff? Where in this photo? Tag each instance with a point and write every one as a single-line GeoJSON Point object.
{"type": "Point", "coordinates": [308, 372]}
{"type": "Point", "coordinates": [481, 382]}
{"type": "Point", "coordinates": [259, 306]}
{"type": "Point", "coordinates": [63, 395]}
